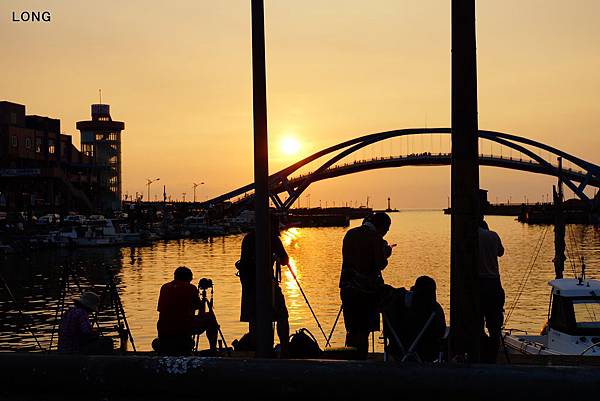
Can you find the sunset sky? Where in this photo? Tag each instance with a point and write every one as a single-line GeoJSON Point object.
{"type": "Point", "coordinates": [179, 75]}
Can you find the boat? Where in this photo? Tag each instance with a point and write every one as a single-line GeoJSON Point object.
{"type": "Point", "coordinates": [96, 233]}
{"type": "Point", "coordinates": [573, 322]}
{"type": "Point", "coordinates": [573, 326]}
{"type": "Point", "coordinates": [199, 226]}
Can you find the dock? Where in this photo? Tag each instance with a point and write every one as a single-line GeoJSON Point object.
{"type": "Point", "coordinates": [186, 378]}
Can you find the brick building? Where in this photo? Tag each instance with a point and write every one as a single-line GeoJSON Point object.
{"type": "Point", "coordinates": [41, 171]}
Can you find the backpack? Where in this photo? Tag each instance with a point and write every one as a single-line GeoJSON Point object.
{"type": "Point", "coordinates": [303, 345]}
{"type": "Point", "coordinates": [245, 343]}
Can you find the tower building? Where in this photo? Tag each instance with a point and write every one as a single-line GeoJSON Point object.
{"type": "Point", "coordinates": [101, 140]}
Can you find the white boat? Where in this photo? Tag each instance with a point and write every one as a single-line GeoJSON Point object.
{"type": "Point", "coordinates": [98, 233]}
{"type": "Point", "coordinates": [573, 326]}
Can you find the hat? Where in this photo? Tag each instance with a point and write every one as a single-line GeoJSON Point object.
{"type": "Point", "coordinates": [90, 300]}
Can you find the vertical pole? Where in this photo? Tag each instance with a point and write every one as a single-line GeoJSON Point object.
{"type": "Point", "coordinates": [559, 226]}
{"type": "Point", "coordinates": [264, 330]}
{"type": "Point", "coordinates": [465, 320]}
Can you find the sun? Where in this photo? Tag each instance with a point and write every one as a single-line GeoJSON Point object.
{"type": "Point", "coordinates": [290, 146]}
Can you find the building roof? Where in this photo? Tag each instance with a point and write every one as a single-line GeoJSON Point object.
{"type": "Point", "coordinates": [570, 287]}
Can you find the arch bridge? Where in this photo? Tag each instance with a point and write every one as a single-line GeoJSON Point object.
{"type": "Point", "coordinates": [506, 151]}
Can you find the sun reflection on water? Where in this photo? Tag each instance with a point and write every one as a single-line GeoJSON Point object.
{"type": "Point", "coordinates": [290, 237]}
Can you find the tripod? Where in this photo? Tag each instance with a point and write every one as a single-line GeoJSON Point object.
{"type": "Point", "coordinates": [110, 290]}
{"type": "Point", "coordinates": [115, 300]}
{"type": "Point", "coordinates": [203, 285]}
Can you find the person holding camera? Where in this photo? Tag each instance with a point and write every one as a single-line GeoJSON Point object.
{"type": "Point", "coordinates": [178, 322]}
{"type": "Point", "coordinates": [364, 256]}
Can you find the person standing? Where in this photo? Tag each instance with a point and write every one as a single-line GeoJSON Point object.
{"type": "Point", "coordinates": [491, 293]}
{"type": "Point", "coordinates": [247, 272]}
{"type": "Point", "coordinates": [364, 255]}
{"type": "Point", "coordinates": [178, 302]}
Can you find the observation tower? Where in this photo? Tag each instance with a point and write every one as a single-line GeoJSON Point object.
{"type": "Point", "coordinates": [101, 140]}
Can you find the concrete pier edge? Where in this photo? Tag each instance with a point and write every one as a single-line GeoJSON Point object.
{"type": "Point", "coordinates": [153, 377]}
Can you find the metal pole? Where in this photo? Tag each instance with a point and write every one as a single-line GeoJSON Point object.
{"type": "Point", "coordinates": [264, 290]}
{"type": "Point", "coordinates": [464, 289]}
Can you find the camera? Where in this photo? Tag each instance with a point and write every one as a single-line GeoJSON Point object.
{"type": "Point", "coordinates": [205, 283]}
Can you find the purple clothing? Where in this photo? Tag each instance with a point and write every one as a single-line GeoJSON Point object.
{"type": "Point", "coordinates": [75, 330]}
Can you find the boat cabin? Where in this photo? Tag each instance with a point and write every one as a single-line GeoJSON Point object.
{"type": "Point", "coordinates": [575, 316]}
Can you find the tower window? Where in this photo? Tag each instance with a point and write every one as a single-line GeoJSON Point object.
{"type": "Point", "coordinates": [14, 141]}
{"type": "Point", "coordinates": [28, 143]}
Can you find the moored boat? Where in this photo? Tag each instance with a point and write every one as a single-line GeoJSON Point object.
{"type": "Point", "coordinates": [573, 326]}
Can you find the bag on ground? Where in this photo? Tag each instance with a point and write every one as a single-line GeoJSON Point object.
{"type": "Point", "coordinates": [303, 345]}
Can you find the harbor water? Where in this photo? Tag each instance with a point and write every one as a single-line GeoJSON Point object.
{"type": "Point", "coordinates": [423, 248]}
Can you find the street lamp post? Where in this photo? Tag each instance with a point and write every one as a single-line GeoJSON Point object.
{"type": "Point", "coordinates": [148, 183]}
{"type": "Point", "coordinates": [196, 186]}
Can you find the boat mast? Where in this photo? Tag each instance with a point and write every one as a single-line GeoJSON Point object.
{"type": "Point", "coordinates": [559, 225]}
{"type": "Point", "coordinates": [465, 320]}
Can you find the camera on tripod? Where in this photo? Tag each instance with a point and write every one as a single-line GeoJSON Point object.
{"type": "Point", "coordinates": [205, 283]}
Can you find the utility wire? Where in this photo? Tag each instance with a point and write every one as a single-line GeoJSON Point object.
{"type": "Point", "coordinates": [536, 252]}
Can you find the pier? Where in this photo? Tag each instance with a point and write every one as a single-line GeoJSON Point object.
{"type": "Point", "coordinates": [157, 378]}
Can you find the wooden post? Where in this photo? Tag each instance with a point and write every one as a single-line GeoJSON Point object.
{"type": "Point", "coordinates": [465, 320]}
{"type": "Point", "coordinates": [264, 330]}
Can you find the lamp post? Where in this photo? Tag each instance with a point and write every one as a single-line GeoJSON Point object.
{"type": "Point", "coordinates": [148, 183]}
{"type": "Point", "coordinates": [196, 186]}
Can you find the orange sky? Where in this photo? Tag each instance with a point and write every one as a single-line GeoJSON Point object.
{"type": "Point", "coordinates": [179, 75]}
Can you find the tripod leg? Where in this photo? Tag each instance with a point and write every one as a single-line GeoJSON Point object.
{"type": "Point", "coordinates": [119, 308]}
{"type": "Point", "coordinates": [21, 314]}
{"type": "Point", "coordinates": [60, 304]}
{"type": "Point", "coordinates": [327, 344]}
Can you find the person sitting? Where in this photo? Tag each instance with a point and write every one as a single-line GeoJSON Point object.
{"type": "Point", "coordinates": [177, 323]}
{"type": "Point", "coordinates": [75, 332]}
{"type": "Point", "coordinates": [408, 314]}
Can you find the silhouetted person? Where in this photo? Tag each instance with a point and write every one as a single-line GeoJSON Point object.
{"type": "Point", "coordinates": [247, 272]}
{"type": "Point", "coordinates": [491, 291]}
{"type": "Point", "coordinates": [364, 256]}
{"type": "Point", "coordinates": [75, 332]}
{"type": "Point", "coordinates": [177, 322]}
{"type": "Point", "coordinates": [408, 313]}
